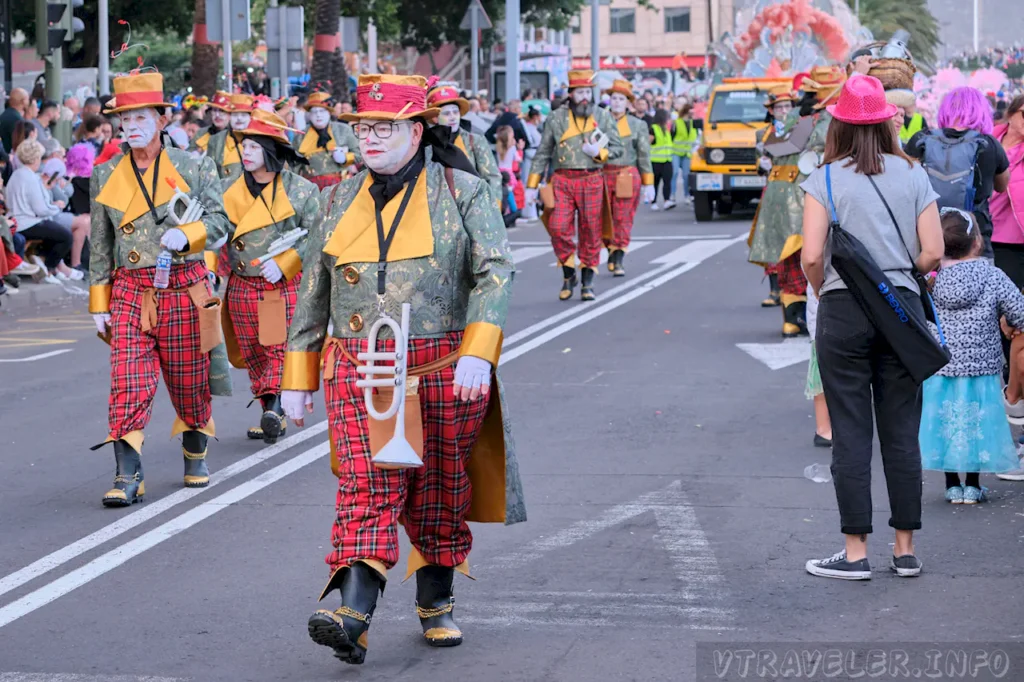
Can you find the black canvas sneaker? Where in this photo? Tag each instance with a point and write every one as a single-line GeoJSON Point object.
{"type": "Point", "coordinates": [906, 566]}
{"type": "Point", "coordinates": [836, 566]}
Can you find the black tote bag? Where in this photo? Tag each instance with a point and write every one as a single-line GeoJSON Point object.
{"type": "Point", "coordinates": [885, 306]}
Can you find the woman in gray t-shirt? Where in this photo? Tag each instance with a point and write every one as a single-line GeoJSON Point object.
{"type": "Point", "coordinates": [857, 364]}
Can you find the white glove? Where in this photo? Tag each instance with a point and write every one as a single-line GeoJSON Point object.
{"type": "Point", "coordinates": [591, 149]}
{"type": "Point", "coordinates": [472, 378]}
{"type": "Point", "coordinates": [174, 239]}
{"type": "Point", "coordinates": [102, 321]}
{"type": "Point", "coordinates": [649, 195]}
{"type": "Point", "coordinates": [271, 271]}
{"type": "Point", "coordinates": [531, 196]}
{"type": "Point", "coordinates": [339, 155]}
{"type": "Point", "coordinates": [765, 163]}
{"type": "Point", "coordinates": [294, 402]}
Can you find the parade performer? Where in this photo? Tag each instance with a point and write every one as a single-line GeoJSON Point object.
{"type": "Point", "coordinates": [776, 237]}
{"type": "Point", "coordinates": [223, 147]}
{"type": "Point", "coordinates": [409, 230]}
{"type": "Point", "coordinates": [624, 179]}
{"type": "Point", "coordinates": [578, 140]}
{"type": "Point", "coordinates": [220, 119]}
{"type": "Point", "coordinates": [779, 105]}
{"type": "Point", "coordinates": [329, 145]}
{"type": "Point", "coordinates": [474, 146]}
{"type": "Point", "coordinates": [267, 207]}
{"type": "Point", "coordinates": [154, 210]}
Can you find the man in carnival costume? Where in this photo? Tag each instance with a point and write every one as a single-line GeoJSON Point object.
{"type": "Point", "coordinates": [329, 145]}
{"type": "Point", "coordinates": [220, 119]}
{"type": "Point", "coordinates": [223, 147]}
{"type": "Point", "coordinates": [418, 227]}
{"type": "Point", "coordinates": [138, 214]}
{"type": "Point", "coordinates": [453, 107]}
{"type": "Point", "coordinates": [624, 179]}
{"type": "Point", "coordinates": [578, 140]}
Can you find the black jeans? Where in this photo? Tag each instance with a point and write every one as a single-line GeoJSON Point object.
{"type": "Point", "coordinates": [56, 241]}
{"type": "Point", "coordinates": [663, 177]}
{"type": "Point", "coordinates": [857, 364]}
{"type": "Point", "coordinates": [1010, 259]}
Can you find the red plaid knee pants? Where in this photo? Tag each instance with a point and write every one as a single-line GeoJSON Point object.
{"type": "Point", "coordinates": [171, 346]}
{"type": "Point", "coordinates": [791, 276]}
{"type": "Point", "coordinates": [623, 210]}
{"type": "Point", "coordinates": [265, 363]}
{"type": "Point", "coordinates": [577, 192]}
{"type": "Point", "coordinates": [432, 501]}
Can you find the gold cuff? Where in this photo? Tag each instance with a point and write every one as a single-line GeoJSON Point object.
{"type": "Point", "coordinates": [482, 340]}
{"type": "Point", "coordinates": [99, 298]}
{"type": "Point", "coordinates": [532, 180]}
{"type": "Point", "coordinates": [417, 561]}
{"type": "Point", "coordinates": [290, 263]}
{"type": "Point", "coordinates": [179, 427]}
{"type": "Point", "coordinates": [350, 158]}
{"type": "Point", "coordinates": [301, 371]}
{"type": "Point", "coordinates": [647, 178]}
{"type": "Point", "coordinates": [602, 156]}
{"type": "Point", "coordinates": [196, 234]}
{"type": "Point", "coordinates": [211, 260]}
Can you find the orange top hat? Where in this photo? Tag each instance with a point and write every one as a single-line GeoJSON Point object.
{"type": "Point", "coordinates": [622, 87]}
{"type": "Point", "coordinates": [319, 99]}
{"type": "Point", "coordinates": [242, 103]}
{"type": "Point", "coordinates": [780, 94]}
{"type": "Point", "coordinates": [583, 78]}
{"type": "Point", "coordinates": [386, 97]}
{"type": "Point", "coordinates": [267, 124]}
{"type": "Point", "coordinates": [447, 94]}
{"type": "Point", "coordinates": [138, 91]}
{"type": "Point", "coordinates": [221, 100]}
{"type": "Point", "coordinates": [825, 81]}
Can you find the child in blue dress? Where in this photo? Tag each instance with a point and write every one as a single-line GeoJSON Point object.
{"type": "Point", "coordinates": [963, 423]}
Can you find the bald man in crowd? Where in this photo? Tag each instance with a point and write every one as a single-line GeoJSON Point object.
{"type": "Point", "coordinates": [17, 103]}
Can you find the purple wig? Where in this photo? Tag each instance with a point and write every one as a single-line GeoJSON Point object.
{"type": "Point", "coordinates": [966, 107]}
{"type": "Point", "coordinates": [79, 160]}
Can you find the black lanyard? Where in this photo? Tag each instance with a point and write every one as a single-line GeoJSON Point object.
{"type": "Point", "coordinates": [142, 185]}
{"type": "Point", "coordinates": [273, 198]}
{"type": "Point", "coordinates": [385, 241]}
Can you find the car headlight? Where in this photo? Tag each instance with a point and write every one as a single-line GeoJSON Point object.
{"type": "Point", "coordinates": [716, 155]}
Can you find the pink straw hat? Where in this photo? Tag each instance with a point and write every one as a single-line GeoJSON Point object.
{"type": "Point", "coordinates": [862, 102]}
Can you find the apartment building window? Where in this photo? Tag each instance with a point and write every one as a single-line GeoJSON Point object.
{"type": "Point", "coordinates": [623, 20]}
{"type": "Point", "coordinates": [677, 19]}
{"type": "Point", "coordinates": [575, 24]}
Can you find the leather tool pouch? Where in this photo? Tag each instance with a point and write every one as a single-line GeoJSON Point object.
{"type": "Point", "coordinates": [210, 334]}
{"type": "Point", "coordinates": [382, 431]}
{"type": "Point", "coordinates": [624, 185]}
{"type": "Point", "coordinates": [271, 313]}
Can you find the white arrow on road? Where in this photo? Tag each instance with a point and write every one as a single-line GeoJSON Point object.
{"type": "Point", "coordinates": [779, 355]}
{"type": "Point", "coordinates": [41, 356]}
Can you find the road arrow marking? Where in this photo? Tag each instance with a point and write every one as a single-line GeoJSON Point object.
{"type": "Point", "coordinates": [779, 355]}
{"type": "Point", "coordinates": [697, 251]}
{"type": "Point", "coordinates": [41, 356]}
{"type": "Point", "coordinates": [635, 246]}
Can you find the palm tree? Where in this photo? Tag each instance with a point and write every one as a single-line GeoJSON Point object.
{"type": "Point", "coordinates": [885, 17]}
{"type": "Point", "coordinates": [204, 56]}
{"type": "Point", "coordinates": [328, 63]}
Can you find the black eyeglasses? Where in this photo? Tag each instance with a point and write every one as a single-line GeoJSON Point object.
{"type": "Point", "coordinates": [382, 129]}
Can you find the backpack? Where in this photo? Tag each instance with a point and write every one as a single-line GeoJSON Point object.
{"type": "Point", "coordinates": [952, 164]}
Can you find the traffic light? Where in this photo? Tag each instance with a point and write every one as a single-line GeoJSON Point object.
{"type": "Point", "coordinates": [71, 23]}
{"type": "Point", "coordinates": [50, 28]}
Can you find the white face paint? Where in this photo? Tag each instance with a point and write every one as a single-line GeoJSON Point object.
{"type": "Point", "coordinates": [319, 117]}
{"type": "Point", "coordinates": [220, 119]}
{"type": "Point", "coordinates": [450, 116]}
{"type": "Point", "coordinates": [240, 120]}
{"type": "Point", "coordinates": [139, 127]}
{"type": "Point", "coordinates": [253, 157]}
{"type": "Point", "coordinates": [618, 103]}
{"type": "Point", "coordinates": [387, 156]}
{"type": "Point", "coordinates": [583, 95]}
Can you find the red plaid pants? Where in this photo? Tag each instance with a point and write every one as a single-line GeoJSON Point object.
{"type": "Point", "coordinates": [171, 346]}
{"type": "Point", "coordinates": [578, 193]}
{"type": "Point", "coordinates": [791, 276]}
{"type": "Point", "coordinates": [623, 210]}
{"type": "Point", "coordinates": [265, 363]}
{"type": "Point", "coordinates": [432, 501]}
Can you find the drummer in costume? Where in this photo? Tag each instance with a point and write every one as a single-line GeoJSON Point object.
{"type": "Point", "coordinates": [150, 330]}
{"type": "Point", "coordinates": [578, 140]}
{"type": "Point", "coordinates": [438, 243]}
{"type": "Point", "coordinates": [329, 145]}
{"type": "Point", "coordinates": [474, 146]}
{"type": "Point", "coordinates": [776, 237]}
{"type": "Point", "coordinates": [623, 179]}
{"type": "Point", "coordinates": [220, 119]}
{"type": "Point", "coordinates": [779, 105]}
{"type": "Point", "coordinates": [265, 205]}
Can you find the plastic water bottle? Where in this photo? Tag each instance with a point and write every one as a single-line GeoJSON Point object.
{"type": "Point", "coordinates": [162, 278]}
{"type": "Point", "coordinates": [819, 473]}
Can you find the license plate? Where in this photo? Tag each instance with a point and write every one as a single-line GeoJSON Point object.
{"type": "Point", "coordinates": [709, 182]}
{"type": "Point", "coordinates": [748, 181]}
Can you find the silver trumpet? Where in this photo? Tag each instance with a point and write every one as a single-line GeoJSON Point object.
{"type": "Point", "coordinates": [397, 453]}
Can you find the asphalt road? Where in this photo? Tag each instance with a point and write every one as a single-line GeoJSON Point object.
{"type": "Point", "coordinates": [663, 471]}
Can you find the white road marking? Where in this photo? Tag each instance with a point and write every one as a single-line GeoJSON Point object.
{"type": "Point", "coordinates": [646, 237]}
{"type": "Point", "coordinates": [115, 557]}
{"type": "Point", "coordinates": [150, 510]}
{"type": "Point", "coordinates": [525, 253]}
{"type": "Point", "coordinates": [779, 355]}
{"type": "Point", "coordinates": [635, 246]}
{"type": "Point", "coordinates": [41, 356]}
{"type": "Point", "coordinates": [72, 677]}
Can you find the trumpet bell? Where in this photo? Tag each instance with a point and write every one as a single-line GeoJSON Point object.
{"type": "Point", "coordinates": [397, 454]}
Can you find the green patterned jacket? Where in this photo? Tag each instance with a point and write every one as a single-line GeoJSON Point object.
{"type": "Point", "coordinates": [480, 155]}
{"type": "Point", "coordinates": [562, 144]}
{"type": "Point", "coordinates": [124, 232]}
{"type": "Point", "coordinates": [322, 162]}
{"type": "Point", "coordinates": [636, 144]}
{"type": "Point", "coordinates": [226, 152]}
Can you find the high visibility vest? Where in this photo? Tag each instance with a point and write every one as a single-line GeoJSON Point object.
{"type": "Point", "coordinates": [661, 150]}
{"type": "Point", "coordinates": [908, 131]}
{"type": "Point", "coordinates": [681, 143]}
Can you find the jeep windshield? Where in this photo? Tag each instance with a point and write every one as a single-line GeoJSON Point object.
{"type": "Point", "coordinates": [738, 106]}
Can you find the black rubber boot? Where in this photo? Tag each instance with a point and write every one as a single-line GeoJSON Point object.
{"type": "Point", "coordinates": [435, 605]}
{"type": "Point", "coordinates": [794, 316]}
{"type": "Point", "coordinates": [568, 282]}
{"type": "Point", "coordinates": [587, 284]}
{"type": "Point", "coordinates": [774, 295]}
{"type": "Point", "coordinates": [615, 263]}
{"type": "Point", "coordinates": [272, 424]}
{"type": "Point", "coordinates": [129, 486]}
{"type": "Point", "coordinates": [193, 447]}
{"type": "Point", "coordinates": [345, 630]}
